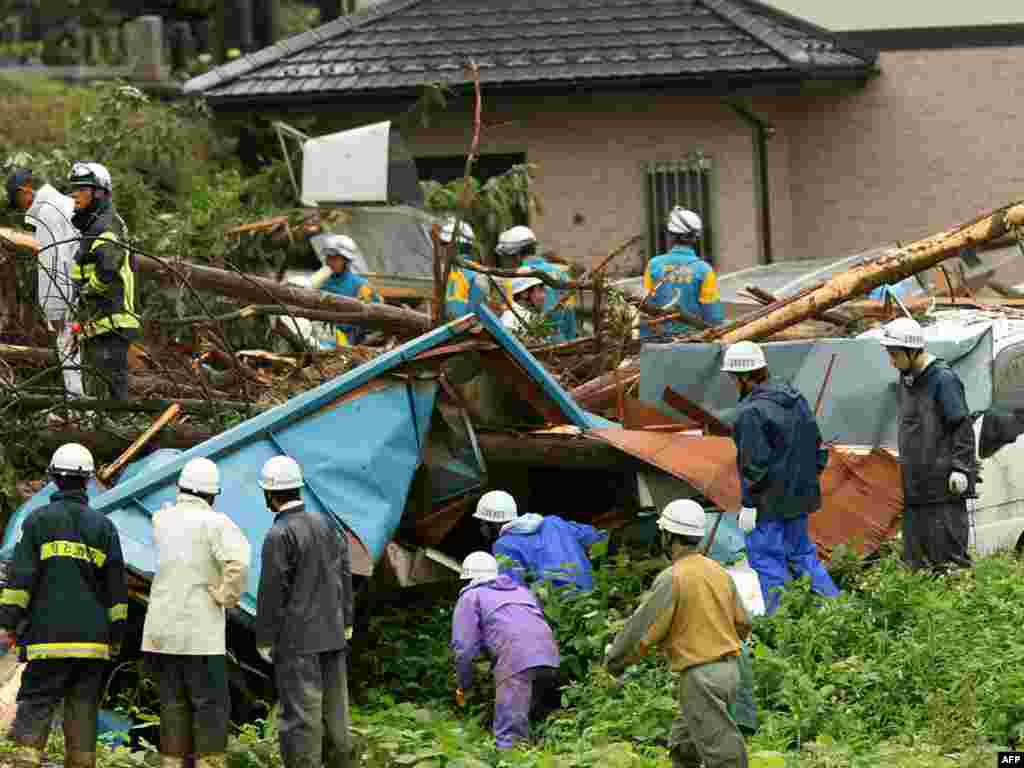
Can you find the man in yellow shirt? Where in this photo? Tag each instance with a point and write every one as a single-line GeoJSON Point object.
{"type": "Point", "coordinates": [695, 616]}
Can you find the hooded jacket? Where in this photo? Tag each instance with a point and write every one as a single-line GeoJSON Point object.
{"type": "Point", "coordinates": [936, 436]}
{"type": "Point", "coordinates": [504, 619]}
{"type": "Point", "coordinates": [550, 549]}
{"type": "Point", "coordinates": [778, 452]}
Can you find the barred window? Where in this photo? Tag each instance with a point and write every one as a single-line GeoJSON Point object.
{"type": "Point", "coordinates": [688, 183]}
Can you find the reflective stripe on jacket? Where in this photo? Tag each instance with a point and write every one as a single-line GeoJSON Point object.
{"type": "Point", "coordinates": [103, 274]}
{"type": "Point", "coordinates": [681, 281]}
{"type": "Point", "coordinates": [68, 581]}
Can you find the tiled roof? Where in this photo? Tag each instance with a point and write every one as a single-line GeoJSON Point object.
{"type": "Point", "coordinates": [404, 44]}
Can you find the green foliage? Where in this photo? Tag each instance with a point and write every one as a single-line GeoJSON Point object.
{"type": "Point", "coordinates": [490, 208]}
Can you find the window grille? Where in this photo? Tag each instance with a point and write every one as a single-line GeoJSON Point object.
{"type": "Point", "coordinates": [687, 183]}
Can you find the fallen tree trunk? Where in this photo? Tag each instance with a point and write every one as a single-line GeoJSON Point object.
{"type": "Point", "coordinates": [861, 279]}
{"type": "Point", "coordinates": [107, 446]}
{"type": "Point", "coordinates": [262, 290]}
{"type": "Point", "coordinates": [204, 407]}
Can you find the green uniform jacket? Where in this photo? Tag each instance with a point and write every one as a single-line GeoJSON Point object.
{"type": "Point", "coordinates": [67, 580]}
{"type": "Point", "coordinates": [104, 276]}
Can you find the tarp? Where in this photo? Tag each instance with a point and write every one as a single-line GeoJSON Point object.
{"type": "Point", "coordinates": [859, 405]}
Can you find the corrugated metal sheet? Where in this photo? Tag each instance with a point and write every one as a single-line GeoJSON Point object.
{"type": "Point", "coordinates": [859, 406]}
{"type": "Point", "coordinates": [862, 496]}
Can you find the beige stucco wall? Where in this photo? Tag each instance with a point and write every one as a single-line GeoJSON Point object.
{"type": "Point", "coordinates": [935, 139]}
{"type": "Point", "coordinates": [589, 149]}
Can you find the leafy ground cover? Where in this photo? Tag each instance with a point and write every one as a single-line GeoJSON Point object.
{"type": "Point", "coordinates": [902, 670]}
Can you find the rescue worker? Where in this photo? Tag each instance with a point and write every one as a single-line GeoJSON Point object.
{"type": "Point", "coordinates": [546, 548]}
{"type": "Point", "coordinates": [338, 277]}
{"type": "Point", "coordinates": [304, 619]}
{"type": "Point", "coordinates": [678, 280]}
{"type": "Point", "coordinates": [528, 296]}
{"type": "Point", "coordinates": [497, 615]}
{"type": "Point", "coordinates": [520, 244]}
{"type": "Point", "coordinates": [937, 452]}
{"type": "Point", "coordinates": [104, 274]}
{"type": "Point", "coordinates": [695, 616]}
{"type": "Point", "coordinates": [67, 586]}
{"type": "Point", "coordinates": [49, 213]}
{"type": "Point", "coordinates": [466, 289]}
{"type": "Point", "coordinates": [779, 457]}
{"type": "Point", "coordinates": [202, 565]}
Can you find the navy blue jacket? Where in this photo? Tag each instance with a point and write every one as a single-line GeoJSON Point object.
{"type": "Point", "coordinates": [778, 452]}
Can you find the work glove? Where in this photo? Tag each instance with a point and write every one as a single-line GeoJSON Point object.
{"type": "Point", "coordinates": [348, 633]}
{"type": "Point", "coordinates": [7, 639]}
{"type": "Point", "coordinates": [957, 483]}
{"type": "Point", "coordinates": [747, 519]}
{"type": "Point", "coordinates": [460, 697]}
{"type": "Point", "coordinates": [266, 653]}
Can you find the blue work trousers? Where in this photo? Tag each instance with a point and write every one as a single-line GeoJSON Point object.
{"type": "Point", "coordinates": [781, 550]}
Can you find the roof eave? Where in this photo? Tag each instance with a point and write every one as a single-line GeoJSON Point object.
{"type": "Point", "coordinates": [714, 85]}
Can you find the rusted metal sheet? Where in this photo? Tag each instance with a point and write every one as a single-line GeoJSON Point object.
{"type": "Point", "coordinates": [862, 496]}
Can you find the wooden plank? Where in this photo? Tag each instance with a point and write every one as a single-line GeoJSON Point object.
{"type": "Point", "coordinates": [107, 473]}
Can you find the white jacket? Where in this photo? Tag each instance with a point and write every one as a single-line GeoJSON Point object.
{"type": "Point", "coordinates": [202, 567]}
{"type": "Point", "coordinates": [50, 216]}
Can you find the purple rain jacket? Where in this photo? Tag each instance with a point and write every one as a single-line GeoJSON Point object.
{"type": "Point", "coordinates": [504, 619]}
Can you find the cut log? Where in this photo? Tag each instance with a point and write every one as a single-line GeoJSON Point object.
{"type": "Point", "coordinates": [859, 280]}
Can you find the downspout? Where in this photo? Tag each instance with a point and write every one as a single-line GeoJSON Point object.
{"type": "Point", "coordinates": [762, 131]}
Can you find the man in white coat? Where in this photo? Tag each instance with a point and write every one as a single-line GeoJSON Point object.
{"type": "Point", "coordinates": [202, 569]}
{"type": "Point", "coordinates": [49, 213]}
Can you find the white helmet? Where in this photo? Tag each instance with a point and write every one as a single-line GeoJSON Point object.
{"type": "Point", "coordinates": [743, 357]}
{"type": "Point", "coordinates": [903, 332]}
{"type": "Point", "coordinates": [466, 234]}
{"type": "Point", "coordinates": [72, 459]}
{"type": "Point", "coordinates": [281, 473]}
{"type": "Point", "coordinates": [684, 222]}
{"type": "Point", "coordinates": [90, 175]}
{"type": "Point", "coordinates": [340, 245]}
{"type": "Point", "coordinates": [519, 284]}
{"type": "Point", "coordinates": [496, 507]}
{"type": "Point", "coordinates": [200, 476]}
{"type": "Point", "coordinates": [683, 516]}
{"type": "Point", "coordinates": [514, 240]}
{"type": "Point", "coordinates": [479, 566]}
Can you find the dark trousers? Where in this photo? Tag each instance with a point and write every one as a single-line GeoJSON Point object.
{"type": "Point", "coordinates": [935, 536]}
{"type": "Point", "coordinates": [314, 719]}
{"type": "Point", "coordinates": [107, 357]}
{"type": "Point", "coordinates": [195, 705]}
{"type": "Point", "coordinates": [45, 683]}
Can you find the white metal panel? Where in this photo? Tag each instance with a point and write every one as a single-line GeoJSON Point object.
{"type": "Point", "coordinates": [347, 167]}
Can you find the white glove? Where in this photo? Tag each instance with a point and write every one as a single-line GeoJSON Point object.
{"type": "Point", "coordinates": [747, 519]}
{"type": "Point", "coordinates": [957, 483]}
{"type": "Point", "coordinates": [348, 633]}
{"type": "Point", "coordinates": [267, 654]}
